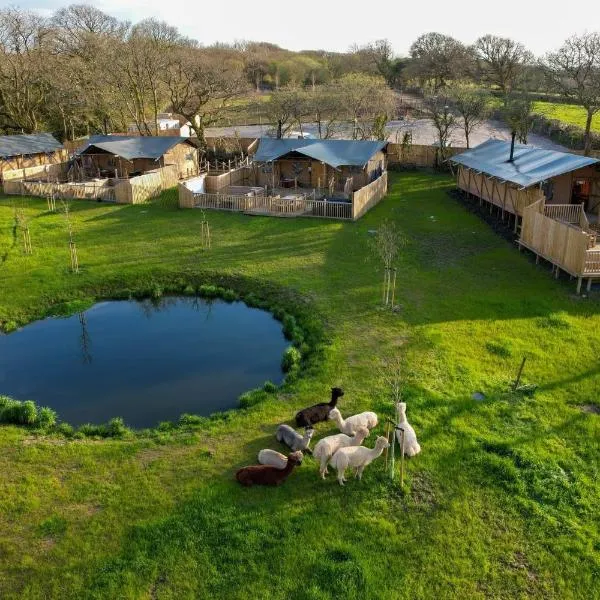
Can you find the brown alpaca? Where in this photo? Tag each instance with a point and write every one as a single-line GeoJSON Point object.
{"type": "Point", "coordinates": [267, 475]}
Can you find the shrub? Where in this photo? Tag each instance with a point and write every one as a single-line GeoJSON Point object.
{"type": "Point", "coordinates": [117, 428]}
{"type": "Point", "coordinates": [208, 291]}
{"type": "Point", "coordinates": [17, 413]}
{"type": "Point", "coordinates": [91, 430]}
{"type": "Point", "coordinates": [10, 326]}
{"type": "Point", "coordinates": [189, 290]}
{"type": "Point", "coordinates": [191, 420]}
{"type": "Point", "coordinates": [46, 417]}
{"type": "Point", "coordinates": [230, 296]}
{"type": "Point", "coordinates": [166, 426]}
{"type": "Point", "coordinates": [289, 326]}
{"type": "Point", "coordinates": [269, 387]}
{"type": "Point", "coordinates": [291, 359]}
{"type": "Point", "coordinates": [65, 429]}
{"type": "Point", "coordinates": [156, 291]}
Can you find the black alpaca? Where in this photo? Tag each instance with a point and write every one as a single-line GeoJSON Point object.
{"type": "Point", "coordinates": [318, 412]}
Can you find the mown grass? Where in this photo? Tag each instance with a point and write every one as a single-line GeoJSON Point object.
{"type": "Point", "coordinates": [502, 502]}
{"type": "Point", "coordinates": [570, 114]}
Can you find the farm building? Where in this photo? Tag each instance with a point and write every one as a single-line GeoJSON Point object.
{"type": "Point", "coordinates": [168, 125]}
{"type": "Point", "coordinates": [298, 177]}
{"type": "Point", "coordinates": [553, 196]}
{"type": "Point", "coordinates": [129, 156]}
{"type": "Point", "coordinates": [26, 151]}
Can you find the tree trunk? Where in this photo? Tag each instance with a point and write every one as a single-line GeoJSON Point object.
{"type": "Point", "coordinates": [467, 137]}
{"type": "Point", "coordinates": [513, 135]}
{"type": "Point", "coordinates": [279, 129]}
{"type": "Point", "coordinates": [587, 140]}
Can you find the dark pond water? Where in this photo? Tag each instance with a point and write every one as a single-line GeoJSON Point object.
{"type": "Point", "coordinates": [143, 361]}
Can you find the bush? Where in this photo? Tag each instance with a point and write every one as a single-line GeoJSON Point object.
{"type": "Point", "coordinates": [156, 291]}
{"type": "Point", "coordinates": [189, 290]}
{"type": "Point", "coordinates": [289, 326]}
{"type": "Point", "coordinates": [191, 420]}
{"type": "Point", "coordinates": [252, 398]}
{"type": "Point", "coordinates": [46, 417]}
{"type": "Point", "coordinates": [269, 387]}
{"type": "Point", "coordinates": [10, 326]}
{"type": "Point", "coordinates": [66, 429]}
{"type": "Point", "coordinates": [117, 428]}
{"type": "Point", "coordinates": [91, 430]}
{"type": "Point", "coordinates": [16, 412]}
{"type": "Point", "coordinates": [208, 291]}
{"type": "Point", "coordinates": [230, 296]}
{"type": "Point", "coordinates": [291, 359]}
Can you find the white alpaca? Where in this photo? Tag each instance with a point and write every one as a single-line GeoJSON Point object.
{"type": "Point", "coordinates": [351, 425]}
{"type": "Point", "coordinates": [357, 457]}
{"type": "Point", "coordinates": [411, 446]}
{"type": "Point", "coordinates": [329, 445]}
{"type": "Point", "coordinates": [272, 458]}
{"type": "Point", "coordinates": [293, 439]}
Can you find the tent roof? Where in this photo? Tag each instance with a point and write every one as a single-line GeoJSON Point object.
{"type": "Point", "coordinates": [33, 143]}
{"type": "Point", "coordinates": [132, 147]}
{"type": "Point", "coordinates": [336, 153]}
{"type": "Point", "coordinates": [530, 166]}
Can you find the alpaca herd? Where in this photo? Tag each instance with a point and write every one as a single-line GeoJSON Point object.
{"type": "Point", "coordinates": [340, 451]}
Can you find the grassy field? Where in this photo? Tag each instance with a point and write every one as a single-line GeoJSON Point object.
{"type": "Point", "coordinates": [501, 503]}
{"type": "Point", "coordinates": [570, 114]}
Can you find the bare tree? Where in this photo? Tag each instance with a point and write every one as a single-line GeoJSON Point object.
{"type": "Point", "coordinates": [439, 109]}
{"type": "Point", "coordinates": [472, 105]}
{"type": "Point", "coordinates": [574, 71]}
{"type": "Point", "coordinates": [502, 60]}
{"type": "Point", "coordinates": [386, 246]}
{"type": "Point", "coordinates": [201, 84]}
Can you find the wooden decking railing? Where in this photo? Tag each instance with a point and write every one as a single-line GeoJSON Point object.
{"type": "Point", "coordinates": [554, 233]}
{"type": "Point", "coordinates": [268, 205]}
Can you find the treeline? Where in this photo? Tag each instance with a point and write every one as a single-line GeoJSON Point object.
{"type": "Point", "coordinates": [81, 71]}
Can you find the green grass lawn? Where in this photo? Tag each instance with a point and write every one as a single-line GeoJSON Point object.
{"type": "Point", "coordinates": [571, 114]}
{"type": "Point", "coordinates": [501, 503]}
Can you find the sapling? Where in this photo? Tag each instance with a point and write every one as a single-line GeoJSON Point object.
{"type": "Point", "coordinates": [386, 246]}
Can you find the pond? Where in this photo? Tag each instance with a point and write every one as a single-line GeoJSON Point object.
{"type": "Point", "coordinates": [144, 361]}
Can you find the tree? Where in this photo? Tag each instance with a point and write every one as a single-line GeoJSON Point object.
{"type": "Point", "coordinates": [323, 103]}
{"type": "Point", "coordinates": [517, 113]}
{"type": "Point", "coordinates": [386, 245]}
{"type": "Point", "coordinates": [25, 80]}
{"type": "Point", "coordinates": [502, 60]}
{"type": "Point", "coordinates": [574, 71]}
{"type": "Point", "coordinates": [288, 107]}
{"type": "Point", "coordinates": [201, 83]}
{"type": "Point", "coordinates": [438, 107]}
{"type": "Point", "coordinates": [439, 58]}
{"type": "Point", "coordinates": [364, 98]}
{"type": "Point", "coordinates": [472, 105]}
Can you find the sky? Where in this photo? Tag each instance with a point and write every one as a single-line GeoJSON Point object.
{"type": "Point", "coordinates": [334, 25]}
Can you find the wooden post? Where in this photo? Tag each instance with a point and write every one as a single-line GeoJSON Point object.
{"type": "Point", "coordinates": [579, 281]}
{"type": "Point", "coordinates": [387, 437]}
{"type": "Point", "coordinates": [589, 285]}
{"type": "Point", "coordinates": [393, 461]}
{"type": "Point", "coordinates": [385, 284]}
{"type": "Point", "coordinates": [394, 287]}
{"type": "Point", "coordinates": [205, 235]}
{"type": "Point", "coordinates": [518, 379]}
{"type": "Point", "coordinates": [401, 457]}
{"type": "Point", "coordinates": [27, 240]}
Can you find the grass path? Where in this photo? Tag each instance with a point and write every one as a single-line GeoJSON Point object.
{"type": "Point", "coordinates": [502, 502]}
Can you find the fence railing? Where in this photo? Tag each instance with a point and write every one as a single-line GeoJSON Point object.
{"type": "Point", "coordinates": [592, 262]}
{"type": "Point", "coordinates": [273, 205]}
{"type": "Point", "coordinates": [567, 213]}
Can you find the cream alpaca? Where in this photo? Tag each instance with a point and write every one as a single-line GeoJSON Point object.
{"type": "Point", "coordinates": [329, 445]}
{"type": "Point", "coordinates": [411, 445]}
{"type": "Point", "coordinates": [272, 458]}
{"type": "Point", "coordinates": [357, 457]}
{"type": "Point", "coordinates": [351, 425]}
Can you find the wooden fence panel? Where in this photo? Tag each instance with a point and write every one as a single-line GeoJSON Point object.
{"type": "Point", "coordinates": [368, 196]}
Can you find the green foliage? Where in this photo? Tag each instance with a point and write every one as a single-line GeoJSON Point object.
{"type": "Point", "coordinates": [291, 359]}
{"type": "Point", "coordinates": [269, 387]}
{"type": "Point", "coordinates": [53, 527]}
{"type": "Point", "coordinates": [116, 428]}
{"type": "Point", "coordinates": [46, 418]}
{"type": "Point", "coordinates": [17, 412]}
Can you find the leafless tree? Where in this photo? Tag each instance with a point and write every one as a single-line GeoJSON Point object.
{"type": "Point", "coordinates": [502, 60]}
{"type": "Point", "coordinates": [472, 106]}
{"type": "Point", "coordinates": [440, 111]}
{"type": "Point", "coordinates": [386, 246]}
{"type": "Point", "coordinates": [574, 71]}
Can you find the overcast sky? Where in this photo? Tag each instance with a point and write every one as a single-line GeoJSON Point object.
{"type": "Point", "coordinates": [334, 25]}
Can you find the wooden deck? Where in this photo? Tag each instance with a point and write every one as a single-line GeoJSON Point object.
{"type": "Point", "coordinates": [561, 234]}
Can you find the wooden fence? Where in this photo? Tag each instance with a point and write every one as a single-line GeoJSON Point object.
{"type": "Point", "coordinates": [215, 183]}
{"type": "Point", "coordinates": [368, 196]}
{"type": "Point", "coordinates": [123, 191]}
{"type": "Point", "coordinates": [295, 206]}
{"type": "Point", "coordinates": [564, 244]}
{"type": "Point", "coordinates": [417, 155]}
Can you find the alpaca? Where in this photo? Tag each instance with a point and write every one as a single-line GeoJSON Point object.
{"type": "Point", "coordinates": [272, 458]}
{"type": "Point", "coordinates": [328, 446]}
{"type": "Point", "coordinates": [350, 425]}
{"type": "Point", "coordinates": [293, 439]}
{"type": "Point", "coordinates": [266, 474]}
{"type": "Point", "coordinates": [411, 446]}
{"type": "Point", "coordinates": [356, 456]}
{"type": "Point", "coordinates": [318, 412]}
